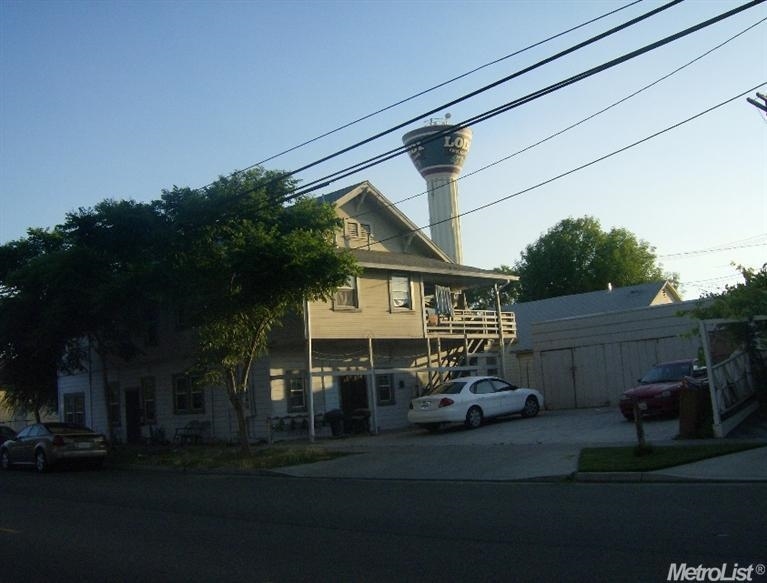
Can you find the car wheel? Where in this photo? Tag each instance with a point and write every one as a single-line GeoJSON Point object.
{"type": "Point", "coordinates": [41, 462]}
{"type": "Point", "coordinates": [531, 407]}
{"type": "Point", "coordinates": [474, 418]}
{"type": "Point", "coordinates": [5, 460]}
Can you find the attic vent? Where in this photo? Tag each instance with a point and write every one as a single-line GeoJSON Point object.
{"type": "Point", "coordinates": [355, 230]}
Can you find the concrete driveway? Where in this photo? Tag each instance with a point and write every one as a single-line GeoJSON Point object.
{"type": "Point", "coordinates": [603, 425]}
{"type": "Point", "coordinates": [506, 449]}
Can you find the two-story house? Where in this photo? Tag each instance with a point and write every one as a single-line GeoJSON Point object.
{"type": "Point", "coordinates": [385, 335]}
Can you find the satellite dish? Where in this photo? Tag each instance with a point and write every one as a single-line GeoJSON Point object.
{"type": "Point", "coordinates": [447, 116]}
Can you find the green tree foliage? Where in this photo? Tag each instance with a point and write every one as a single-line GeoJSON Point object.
{"type": "Point", "coordinates": [242, 260]}
{"type": "Point", "coordinates": [742, 300]}
{"type": "Point", "coordinates": [484, 298]}
{"type": "Point", "coordinates": [92, 278]}
{"type": "Point", "coordinates": [30, 347]}
{"type": "Point", "coordinates": [577, 256]}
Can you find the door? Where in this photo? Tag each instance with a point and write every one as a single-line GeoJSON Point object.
{"type": "Point", "coordinates": [132, 416]}
{"type": "Point", "coordinates": [354, 393]}
{"type": "Point", "coordinates": [558, 382]}
{"type": "Point", "coordinates": [487, 397]}
{"type": "Point", "coordinates": [512, 401]}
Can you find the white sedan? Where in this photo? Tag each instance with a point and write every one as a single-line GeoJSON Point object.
{"type": "Point", "coordinates": [470, 400]}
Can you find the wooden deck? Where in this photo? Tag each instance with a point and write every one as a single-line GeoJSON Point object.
{"type": "Point", "coordinates": [472, 324]}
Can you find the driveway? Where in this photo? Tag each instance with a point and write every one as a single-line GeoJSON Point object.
{"type": "Point", "coordinates": [584, 427]}
{"type": "Point", "coordinates": [506, 449]}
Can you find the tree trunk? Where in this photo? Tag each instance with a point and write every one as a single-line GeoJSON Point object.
{"type": "Point", "coordinates": [239, 412]}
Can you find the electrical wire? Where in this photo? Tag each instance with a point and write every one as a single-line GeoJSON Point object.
{"type": "Point", "coordinates": [582, 121]}
{"type": "Point", "coordinates": [573, 170]}
{"type": "Point", "coordinates": [429, 90]}
{"type": "Point", "coordinates": [369, 163]}
{"type": "Point", "coordinates": [466, 123]}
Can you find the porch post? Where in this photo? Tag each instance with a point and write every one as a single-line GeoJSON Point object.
{"type": "Point", "coordinates": [501, 339]}
{"type": "Point", "coordinates": [374, 396]}
{"type": "Point", "coordinates": [309, 365]}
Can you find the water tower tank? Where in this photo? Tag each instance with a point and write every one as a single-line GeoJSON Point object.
{"type": "Point", "coordinates": [438, 152]}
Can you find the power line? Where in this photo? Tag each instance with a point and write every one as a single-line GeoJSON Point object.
{"type": "Point", "coordinates": [582, 121]}
{"type": "Point", "coordinates": [430, 89]}
{"type": "Point", "coordinates": [374, 161]}
{"type": "Point", "coordinates": [684, 254]}
{"type": "Point", "coordinates": [387, 155]}
{"type": "Point", "coordinates": [576, 169]}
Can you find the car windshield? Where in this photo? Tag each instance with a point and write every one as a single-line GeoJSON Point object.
{"type": "Point", "coordinates": [62, 428]}
{"type": "Point", "coordinates": [666, 372]}
{"type": "Point", "coordinates": [451, 388]}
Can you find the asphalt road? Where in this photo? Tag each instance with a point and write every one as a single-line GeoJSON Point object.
{"type": "Point", "coordinates": [162, 526]}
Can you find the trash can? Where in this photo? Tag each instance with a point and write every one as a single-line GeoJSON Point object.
{"type": "Point", "coordinates": [335, 418]}
{"type": "Point", "coordinates": [695, 414]}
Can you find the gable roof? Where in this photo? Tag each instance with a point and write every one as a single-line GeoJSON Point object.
{"type": "Point", "coordinates": [408, 227]}
{"type": "Point", "coordinates": [597, 302]}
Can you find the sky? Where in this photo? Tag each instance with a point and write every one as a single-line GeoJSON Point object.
{"type": "Point", "coordinates": [124, 99]}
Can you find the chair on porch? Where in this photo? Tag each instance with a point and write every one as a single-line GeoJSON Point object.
{"type": "Point", "coordinates": [193, 432]}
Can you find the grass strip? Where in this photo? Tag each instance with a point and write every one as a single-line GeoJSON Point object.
{"type": "Point", "coordinates": [221, 457]}
{"type": "Point", "coordinates": [626, 459]}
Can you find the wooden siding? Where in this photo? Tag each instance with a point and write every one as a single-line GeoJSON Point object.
{"type": "Point", "coordinates": [589, 361]}
{"type": "Point", "coordinates": [374, 318]}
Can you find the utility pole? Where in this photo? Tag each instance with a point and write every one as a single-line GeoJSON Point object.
{"type": "Point", "coordinates": [757, 104]}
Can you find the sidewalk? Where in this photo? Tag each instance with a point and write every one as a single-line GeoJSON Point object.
{"type": "Point", "coordinates": [544, 462]}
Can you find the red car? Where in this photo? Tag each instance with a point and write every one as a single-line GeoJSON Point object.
{"type": "Point", "coordinates": [658, 390]}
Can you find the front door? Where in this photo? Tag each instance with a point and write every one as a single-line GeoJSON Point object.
{"type": "Point", "coordinates": [354, 393]}
{"type": "Point", "coordinates": [132, 416]}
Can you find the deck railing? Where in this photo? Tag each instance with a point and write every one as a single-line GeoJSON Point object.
{"type": "Point", "coordinates": [473, 324]}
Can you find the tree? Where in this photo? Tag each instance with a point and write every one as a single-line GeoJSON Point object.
{"type": "Point", "coordinates": [484, 298]}
{"type": "Point", "coordinates": [742, 301]}
{"type": "Point", "coordinates": [90, 278]}
{"type": "Point", "coordinates": [30, 346]}
{"type": "Point", "coordinates": [577, 256]}
{"type": "Point", "coordinates": [242, 258]}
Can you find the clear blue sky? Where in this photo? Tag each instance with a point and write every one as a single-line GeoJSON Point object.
{"type": "Point", "coordinates": [123, 99]}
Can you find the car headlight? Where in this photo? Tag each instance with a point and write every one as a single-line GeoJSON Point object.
{"type": "Point", "coordinates": [663, 395]}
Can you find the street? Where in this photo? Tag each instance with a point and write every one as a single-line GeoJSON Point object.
{"type": "Point", "coordinates": [164, 526]}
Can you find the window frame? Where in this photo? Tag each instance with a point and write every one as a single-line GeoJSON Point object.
{"type": "Point", "coordinates": [352, 284]}
{"type": "Point", "coordinates": [113, 406]}
{"type": "Point", "coordinates": [71, 413]}
{"type": "Point", "coordinates": [191, 389]}
{"type": "Point", "coordinates": [148, 399]}
{"type": "Point", "coordinates": [392, 291]}
{"type": "Point", "coordinates": [296, 378]}
{"type": "Point", "coordinates": [392, 400]}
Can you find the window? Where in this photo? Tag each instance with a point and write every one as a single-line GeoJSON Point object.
{"type": "Point", "coordinates": [345, 297]}
{"type": "Point", "coordinates": [357, 230]}
{"type": "Point", "coordinates": [295, 393]}
{"type": "Point", "coordinates": [74, 408]}
{"type": "Point", "coordinates": [385, 388]}
{"type": "Point", "coordinates": [113, 395]}
{"type": "Point", "coordinates": [400, 289]}
{"type": "Point", "coordinates": [188, 395]}
{"type": "Point", "coordinates": [148, 400]}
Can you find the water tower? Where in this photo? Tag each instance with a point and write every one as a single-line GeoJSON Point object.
{"type": "Point", "coordinates": [438, 152]}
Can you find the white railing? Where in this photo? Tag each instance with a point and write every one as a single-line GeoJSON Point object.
{"type": "Point", "coordinates": [473, 324]}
